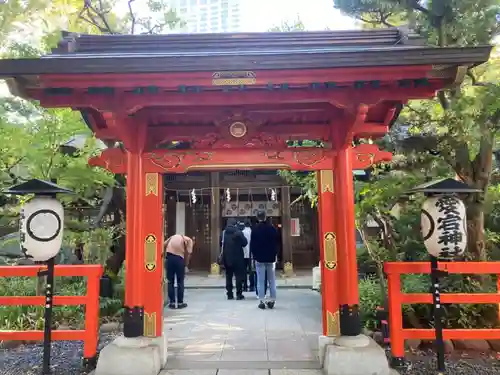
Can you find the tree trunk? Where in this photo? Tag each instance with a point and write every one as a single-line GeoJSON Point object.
{"type": "Point", "coordinates": [118, 206]}
{"type": "Point", "coordinates": [476, 247]}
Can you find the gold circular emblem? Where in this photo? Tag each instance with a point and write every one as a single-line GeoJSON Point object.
{"type": "Point", "coordinates": [238, 129]}
{"type": "Point", "coordinates": [150, 266]}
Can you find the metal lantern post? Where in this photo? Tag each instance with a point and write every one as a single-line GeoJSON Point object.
{"type": "Point", "coordinates": [41, 230]}
{"type": "Point", "coordinates": [444, 230]}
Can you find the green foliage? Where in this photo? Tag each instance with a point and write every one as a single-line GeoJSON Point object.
{"type": "Point", "coordinates": [457, 17]}
{"type": "Point", "coordinates": [156, 18]}
{"type": "Point", "coordinates": [31, 317]}
{"type": "Point", "coordinates": [38, 143]}
{"type": "Point", "coordinates": [370, 297]}
{"type": "Point", "coordinates": [287, 26]}
{"type": "Point", "coordinates": [454, 134]}
{"type": "Point", "coordinates": [306, 180]}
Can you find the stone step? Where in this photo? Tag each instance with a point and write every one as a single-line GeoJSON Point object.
{"type": "Point", "coordinates": [240, 371]}
{"type": "Point", "coordinates": [173, 364]}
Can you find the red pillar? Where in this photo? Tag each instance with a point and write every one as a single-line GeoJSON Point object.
{"type": "Point", "coordinates": [350, 324]}
{"type": "Point", "coordinates": [329, 284]}
{"type": "Point", "coordinates": [133, 319]}
{"type": "Point", "coordinates": [151, 238]}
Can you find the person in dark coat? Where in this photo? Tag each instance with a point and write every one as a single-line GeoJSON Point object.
{"type": "Point", "coordinates": [264, 250]}
{"type": "Point", "coordinates": [233, 242]}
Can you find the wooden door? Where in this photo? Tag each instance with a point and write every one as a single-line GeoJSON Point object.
{"type": "Point", "coordinates": [305, 248]}
{"type": "Point", "coordinates": [198, 228]}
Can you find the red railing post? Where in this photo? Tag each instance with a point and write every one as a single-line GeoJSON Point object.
{"type": "Point", "coordinates": [396, 319]}
{"type": "Point", "coordinates": [397, 299]}
{"type": "Point", "coordinates": [498, 292]}
{"type": "Point", "coordinates": [89, 335]}
{"type": "Point", "coordinates": [91, 320]}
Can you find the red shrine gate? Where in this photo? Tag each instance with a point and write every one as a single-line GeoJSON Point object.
{"type": "Point", "coordinates": [236, 100]}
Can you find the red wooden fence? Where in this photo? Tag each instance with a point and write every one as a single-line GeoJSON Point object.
{"type": "Point", "coordinates": [90, 334]}
{"type": "Point", "coordinates": [397, 299]}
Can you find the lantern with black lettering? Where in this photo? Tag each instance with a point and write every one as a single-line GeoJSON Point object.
{"type": "Point", "coordinates": [42, 219]}
{"type": "Point", "coordinates": [443, 217]}
{"type": "Point", "coordinates": [444, 227]}
{"type": "Point", "coordinates": [41, 230]}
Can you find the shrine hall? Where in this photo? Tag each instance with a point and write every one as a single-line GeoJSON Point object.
{"type": "Point", "coordinates": [199, 107]}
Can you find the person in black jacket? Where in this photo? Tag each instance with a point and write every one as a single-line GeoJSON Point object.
{"type": "Point", "coordinates": [233, 242]}
{"type": "Point", "coordinates": [264, 250]}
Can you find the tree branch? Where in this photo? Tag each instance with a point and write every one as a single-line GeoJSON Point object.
{"type": "Point", "coordinates": [96, 17]}
{"type": "Point", "coordinates": [382, 19]}
{"type": "Point", "coordinates": [443, 100]}
{"type": "Point", "coordinates": [474, 80]}
{"type": "Point", "coordinates": [132, 16]}
{"type": "Point", "coordinates": [416, 5]}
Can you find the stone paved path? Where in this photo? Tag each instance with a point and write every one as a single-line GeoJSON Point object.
{"type": "Point", "coordinates": [194, 280]}
{"type": "Point", "coordinates": [214, 336]}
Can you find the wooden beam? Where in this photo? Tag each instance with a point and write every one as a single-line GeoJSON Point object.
{"type": "Point", "coordinates": [130, 103]}
{"type": "Point", "coordinates": [263, 77]}
{"type": "Point", "coordinates": [306, 159]}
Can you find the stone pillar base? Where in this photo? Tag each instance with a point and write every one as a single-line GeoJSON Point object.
{"type": "Point", "coordinates": [324, 342]}
{"type": "Point", "coordinates": [358, 355]}
{"type": "Point", "coordinates": [133, 356]}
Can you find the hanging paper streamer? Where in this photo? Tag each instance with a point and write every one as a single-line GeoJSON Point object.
{"type": "Point", "coordinates": [193, 196]}
{"type": "Point", "coordinates": [228, 195]}
{"type": "Point", "coordinates": [273, 195]}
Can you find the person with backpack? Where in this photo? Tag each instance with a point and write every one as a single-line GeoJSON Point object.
{"type": "Point", "coordinates": [246, 228]}
{"type": "Point", "coordinates": [233, 259]}
{"type": "Point", "coordinates": [264, 250]}
{"type": "Point", "coordinates": [178, 251]}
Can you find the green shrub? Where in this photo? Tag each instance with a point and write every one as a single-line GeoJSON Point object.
{"type": "Point", "coordinates": [31, 317]}
{"type": "Point", "coordinates": [370, 297]}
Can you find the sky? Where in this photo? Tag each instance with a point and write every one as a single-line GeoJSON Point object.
{"type": "Point", "coordinates": [261, 15]}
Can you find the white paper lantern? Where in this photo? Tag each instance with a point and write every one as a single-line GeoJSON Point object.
{"type": "Point", "coordinates": [42, 220]}
{"type": "Point", "coordinates": [444, 227]}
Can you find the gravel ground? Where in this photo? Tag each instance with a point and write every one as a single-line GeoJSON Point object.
{"type": "Point", "coordinates": [424, 363]}
{"type": "Point", "coordinates": [66, 358]}
{"type": "Point", "coordinates": [461, 367]}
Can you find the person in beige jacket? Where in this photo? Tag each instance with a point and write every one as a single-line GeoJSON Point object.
{"type": "Point", "coordinates": [178, 250]}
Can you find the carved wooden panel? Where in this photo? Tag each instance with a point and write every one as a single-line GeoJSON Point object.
{"type": "Point", "coordinates": [198, 228]}
{"type": "Point", "coordinates": [301, 159]}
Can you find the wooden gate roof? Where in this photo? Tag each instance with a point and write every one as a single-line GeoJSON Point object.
{"type": "Point", "coordinates": [240, 51]}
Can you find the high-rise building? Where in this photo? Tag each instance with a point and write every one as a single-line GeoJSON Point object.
{"type": "Point", "coordinates": [208, 16]}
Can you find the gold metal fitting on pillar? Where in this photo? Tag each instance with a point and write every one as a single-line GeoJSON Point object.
{"type": "Point", "coordinates": [288, 269]}
{"type": "Point", "coordinates": [214, 269]}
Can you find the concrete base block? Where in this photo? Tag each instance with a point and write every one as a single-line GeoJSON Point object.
{"type": "Point", "coordinates": [324, 341]}
{"type": "Point", "coordinates": [162, 343]}
{"type": "Point", "coordinates": [133, 356]}
{"type": "Point", "coordinates": [358, 355]}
